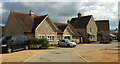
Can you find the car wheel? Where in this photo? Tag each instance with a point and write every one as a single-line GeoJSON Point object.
{"type": "Point", "coordinates": [68, 45]}
{"type": "Point", "coordinates": [9, 49]}
{"type": "Point", "coordinates": [59, 44]}
{"type": "Point", "coordinates": [74, 46]}
{"type": "Point", "coordinates": [26, 47]}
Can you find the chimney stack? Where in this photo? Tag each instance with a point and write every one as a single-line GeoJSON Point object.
{"type": "Point", "coordinates": [79, 15]}
{"type": "Point", "coordinates": [68, 21]}
{"type": "Point", "coordinates": [31, 12]}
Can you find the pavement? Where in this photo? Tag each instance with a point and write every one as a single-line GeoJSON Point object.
{"type": "Point", "coordinates": [80, 53]}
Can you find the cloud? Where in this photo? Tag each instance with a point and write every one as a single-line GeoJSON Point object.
{"type": "Point", "coordinates": [60, 0]}
{"type": "Point", "coordinates": [62, 11]}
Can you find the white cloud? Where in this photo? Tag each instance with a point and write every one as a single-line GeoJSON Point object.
{"type": "Point", "coordinates": [63, 11]}
{"type": "Point", "coordinates": [61, 0]}
{"type": "Point", "coordinates": [102, 11]}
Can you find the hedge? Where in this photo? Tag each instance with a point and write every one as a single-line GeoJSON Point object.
{"type": "Point", "coordinates": [39, 43]}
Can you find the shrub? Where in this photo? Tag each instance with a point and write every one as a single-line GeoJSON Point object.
{"type": "Point", "coordinates": [33, 42]}
{"type": "Point", "coordinates": [89, 40]}
{"type": "Point", "coordinates": [75, 41]}
{"type": "Point", "coordinates": [105, 42]}
{"type": "Point", "coordinates": [44, 43]}
{"type": "Point", "coordinates": [39, 43]}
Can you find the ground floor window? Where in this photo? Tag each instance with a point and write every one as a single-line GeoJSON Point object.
{"type": "Point", "coordinates": [41, 36]}
{"type": "Point", "coordinates": [93, 37]}
{"type": "Point", "coordinates": [58, 38]}
{"type": "Point", "coordinates": [67, 37]}
{"type": "Point", "coordinates": [90, 37]}
{"type": "Point", "coordinates": [77, 37]}
{"type": "Point", "coordinates": [50, 38]}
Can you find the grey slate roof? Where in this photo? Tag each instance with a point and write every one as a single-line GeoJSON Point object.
{"type": "Point", "coordinates": [80, 22]}
{"type": "Point", "coordinates": [102, 25]}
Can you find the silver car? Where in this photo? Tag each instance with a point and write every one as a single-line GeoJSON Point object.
{"type": "Point", "coordinates": [66, 42]}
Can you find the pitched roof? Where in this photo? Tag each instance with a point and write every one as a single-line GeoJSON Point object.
{"type": "Point", "coordinates": [62, 26]}
{"type": "Point", "coordinates": [75, 33]}
{"type": "Point", "coordinates": [37, 21]}
{"type": "Point", "coordinates": [102, 24]}
{"type": "Point", "coordinates": [26, 21]}
{"type": "Point", "coordinates": [80, 22]}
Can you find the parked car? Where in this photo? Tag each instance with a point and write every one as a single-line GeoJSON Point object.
{"type": "Point", "coordinates": [11, 43]}
{"type": "Point", "coordinates": [66, 42]}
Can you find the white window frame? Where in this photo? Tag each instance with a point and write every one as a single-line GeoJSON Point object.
{"type": "Point", "coordinates": [58, 38]}
{"type": "Point", "coordinates": [41, 36]}
{"type": "Point", "coordinates": [50, 37]}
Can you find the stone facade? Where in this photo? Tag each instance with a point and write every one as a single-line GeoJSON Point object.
{"type": "Point", "coordinates": [46, 29]}
{"type": "Point", "coordinates": [92, 30]}
{"type": "Point", "coordinates": [67, 34]}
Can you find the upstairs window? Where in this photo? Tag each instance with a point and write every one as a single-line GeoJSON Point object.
{"type": "Point", "coordinates": [90, 30]}
{"type": "Point", "coordinates": [58, 38]}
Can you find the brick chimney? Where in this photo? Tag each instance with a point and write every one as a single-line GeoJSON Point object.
{"type": "Point", "coordinates": [79, 15]}
{"type": "Point", "coordinates": [31, 12]}
{"type": "Point", "coordinates": [68, 21]}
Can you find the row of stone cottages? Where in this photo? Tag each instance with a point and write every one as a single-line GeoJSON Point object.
{"type": "Point", "coordinates": [80, 28]}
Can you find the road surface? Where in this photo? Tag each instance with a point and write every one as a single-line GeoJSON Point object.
{"type": "Point", "coordinates": [64, 54]}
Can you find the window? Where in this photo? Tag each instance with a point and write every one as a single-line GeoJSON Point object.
{"type": "Point", "coordinates": [77, 37]}
{"type": "Point", "coordinates": [90, 30]}
{"type": "Point", "coordinates": [41, 36]}
{"type": "Point", "coordinates": [93, 37]}
{"type": "Point", "coordinates": [63, 40]}
{"type": "Point", "coordinates": [50, 38]}
{"type": "Point", "coordinates": [67, 37]}
{"type": "Point", "coordinates": [14, 39]}
{"type": "Point", "coordinates": [58, 38]}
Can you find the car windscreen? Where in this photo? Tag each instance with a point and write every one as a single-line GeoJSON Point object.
{"type": "Point", "coordinates": [4, 40]}
{"type": "Point", "coordinates": [67, 40]}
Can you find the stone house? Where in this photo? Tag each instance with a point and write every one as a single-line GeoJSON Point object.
{"type": "Point", "coordinates": [38, 27]}
{"type": "Point", "coordinates": [80, 29]}
{"type": "Point", "coordinates": [86, 26]}
{"type": "Point", "coordinates": [67, 31]}
{"type": "Point", "coordinates": [103, 30]}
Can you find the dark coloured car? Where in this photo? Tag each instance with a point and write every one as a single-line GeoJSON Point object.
{"type": "Point", "coordinates": [11, 43]}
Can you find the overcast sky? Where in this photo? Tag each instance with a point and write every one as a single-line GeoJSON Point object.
{"type": "Point", "coordinates": [62, 11]}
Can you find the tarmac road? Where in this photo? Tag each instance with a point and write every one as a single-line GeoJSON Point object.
{"type": "Point", "coordinates": [57, 55]}
{"type": "Point", "coordinates": [64, 54]}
